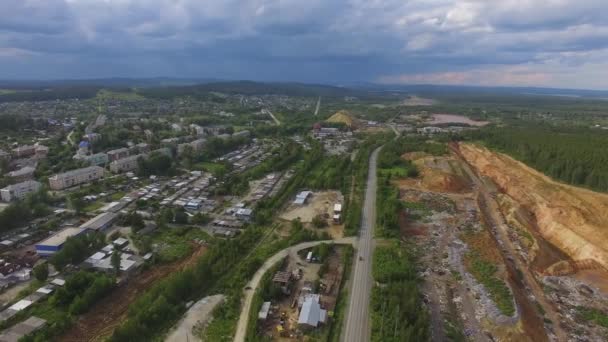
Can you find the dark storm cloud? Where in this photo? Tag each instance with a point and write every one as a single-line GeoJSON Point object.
{"type": "Point", "coordinates": [521, 41]}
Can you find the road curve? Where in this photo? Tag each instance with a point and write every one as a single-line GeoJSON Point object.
{"type": "Point", "coordinates": [358, 327]}
{"type": "Point", "coordinates": [241, 328]}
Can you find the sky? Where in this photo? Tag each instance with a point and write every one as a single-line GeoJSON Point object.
{"type": "Point", "coordinates": [549, 43]}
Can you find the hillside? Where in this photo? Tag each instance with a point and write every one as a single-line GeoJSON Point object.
{"type": "Point", "coordinates": [342, 116]}
{"type": "Point", "coordinates": [571, 218]}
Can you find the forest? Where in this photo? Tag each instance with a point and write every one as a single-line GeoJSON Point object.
{"type": "Point", "coordinates": [397, 310]}
{"type": "Point", "coordinates": [391, 165]}
{"type": "Point", "coordinates": [573, 156]}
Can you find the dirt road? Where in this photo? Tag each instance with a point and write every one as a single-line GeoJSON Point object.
{"type": "Point", "coordinates": [318, 106]}
{"type": "Point", "coordinates": [241, 329]}
{"type": "Point", "coordinates": [199, 312]}
{"type": "Point", "coordinates": [499, 229]}
{"type": "Point", "coordinates": [276, 121]}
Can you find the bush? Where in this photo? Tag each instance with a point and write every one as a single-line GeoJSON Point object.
{"type": "Point", "coordinates": [41, 271]}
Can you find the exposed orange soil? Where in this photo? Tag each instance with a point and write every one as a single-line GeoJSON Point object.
{"type": "Point", "coordinates": [435, 174]}
{"type": "Point", "coordinates": [111, 311]}
{"type": "Point", "coordinates": [570, 218]}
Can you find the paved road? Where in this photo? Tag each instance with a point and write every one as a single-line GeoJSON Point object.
{"type": "Point", "coordinates": [253, 284]}
{"type": "Point", "coordinates": [318, 106]}
{"type": "Point", "coordinates": [358, 327]}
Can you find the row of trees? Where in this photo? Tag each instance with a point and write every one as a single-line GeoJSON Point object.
{"type": "Point", "coordinates": [359, 172]}
{"type": "Point", "coordinates": [391, 162]}
{"type": "Point", "coordinates": [397, 310]}
{"type": "Point", "coordinates": [331, 173]}
{"type": "Point", "coordinates": [574, 156]}
{"type": "Point", "coordinates": [81, 291]}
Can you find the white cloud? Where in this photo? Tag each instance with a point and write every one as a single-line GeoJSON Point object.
{"type": "Point", "coordinates": [423, 37]}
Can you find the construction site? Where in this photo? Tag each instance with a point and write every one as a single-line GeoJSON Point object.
{"type": "Point", "coordinates": [318, 207]}
{"type": "Point", "coordinates": [501, 261]}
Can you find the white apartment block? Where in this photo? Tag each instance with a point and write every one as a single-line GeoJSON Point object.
{"type": "Point", "coordinates": [68, 179]}
{"type": "Point", "coordinates": [19, 190]}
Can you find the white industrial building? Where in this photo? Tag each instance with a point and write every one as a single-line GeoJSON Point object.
{"type": "Point", "coordinates": [102, 261]}
{"type": "Point", "coordinates": [311, 314]}
{"type": "Point", "coordinates": [302, 197]}
{"type": "Point", "coordinates": [54, 243]}
{"type": "Point", "coordinates": [100, 222]}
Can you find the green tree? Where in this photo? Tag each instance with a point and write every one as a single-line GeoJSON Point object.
{"type": "Point", "coordinates": [200, 218]}
{"type": "Point", "coordinates": [76, 202]}
{"type": "Point", "coordinates": [41, 271]}
{"type": "Point", "coordinates": [135, 221]}
{"type": "Point", "coordinates": [180, 216]}
{"type": "Point", "coordinates": [115, 260]}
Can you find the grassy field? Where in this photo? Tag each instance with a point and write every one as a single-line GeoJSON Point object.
{"type": "Point", "coordinates": [176, 243]}
{"type": "Point", "coordinates": [117, 195]}
{"type": "Point", "coordinates": [396, 171]}
{"type": "Point", "coordinates": [594, 315]}
{"type": "Point", "coordinates": [214, 168]}
{"type": "Point", "coordinates": [93, 206]}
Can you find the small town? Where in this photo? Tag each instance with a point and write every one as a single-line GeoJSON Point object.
{"type": "Point", "coordinates": [245, 211]}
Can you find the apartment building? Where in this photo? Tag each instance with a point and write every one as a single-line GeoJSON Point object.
{"type": "Point", "coordinates": [75, 177]}
{"type": "Point", "coordinates": [125, 164]}
{"type": "Point", "coordinates": [23, 174]}
{"type": "Point", "coordinates": [118, 154]}
{"type": "Point", "coordinates": [19, 190]}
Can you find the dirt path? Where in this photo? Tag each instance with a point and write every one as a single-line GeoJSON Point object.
{"type": "Point", "coordinates": [199, 312]}
{"type": "Point", "coordinates": [110, 312]}
{"type": "Point", "coordinates": [532, 323]}
{"type": "Point", "coordinates": [276, 121]}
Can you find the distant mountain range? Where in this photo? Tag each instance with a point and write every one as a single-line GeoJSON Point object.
{"type": "Point", "coordinates": [197, 86]}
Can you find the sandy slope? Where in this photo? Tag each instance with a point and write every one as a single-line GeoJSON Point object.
{"type": "Point", "coordinates": [573, 219]}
